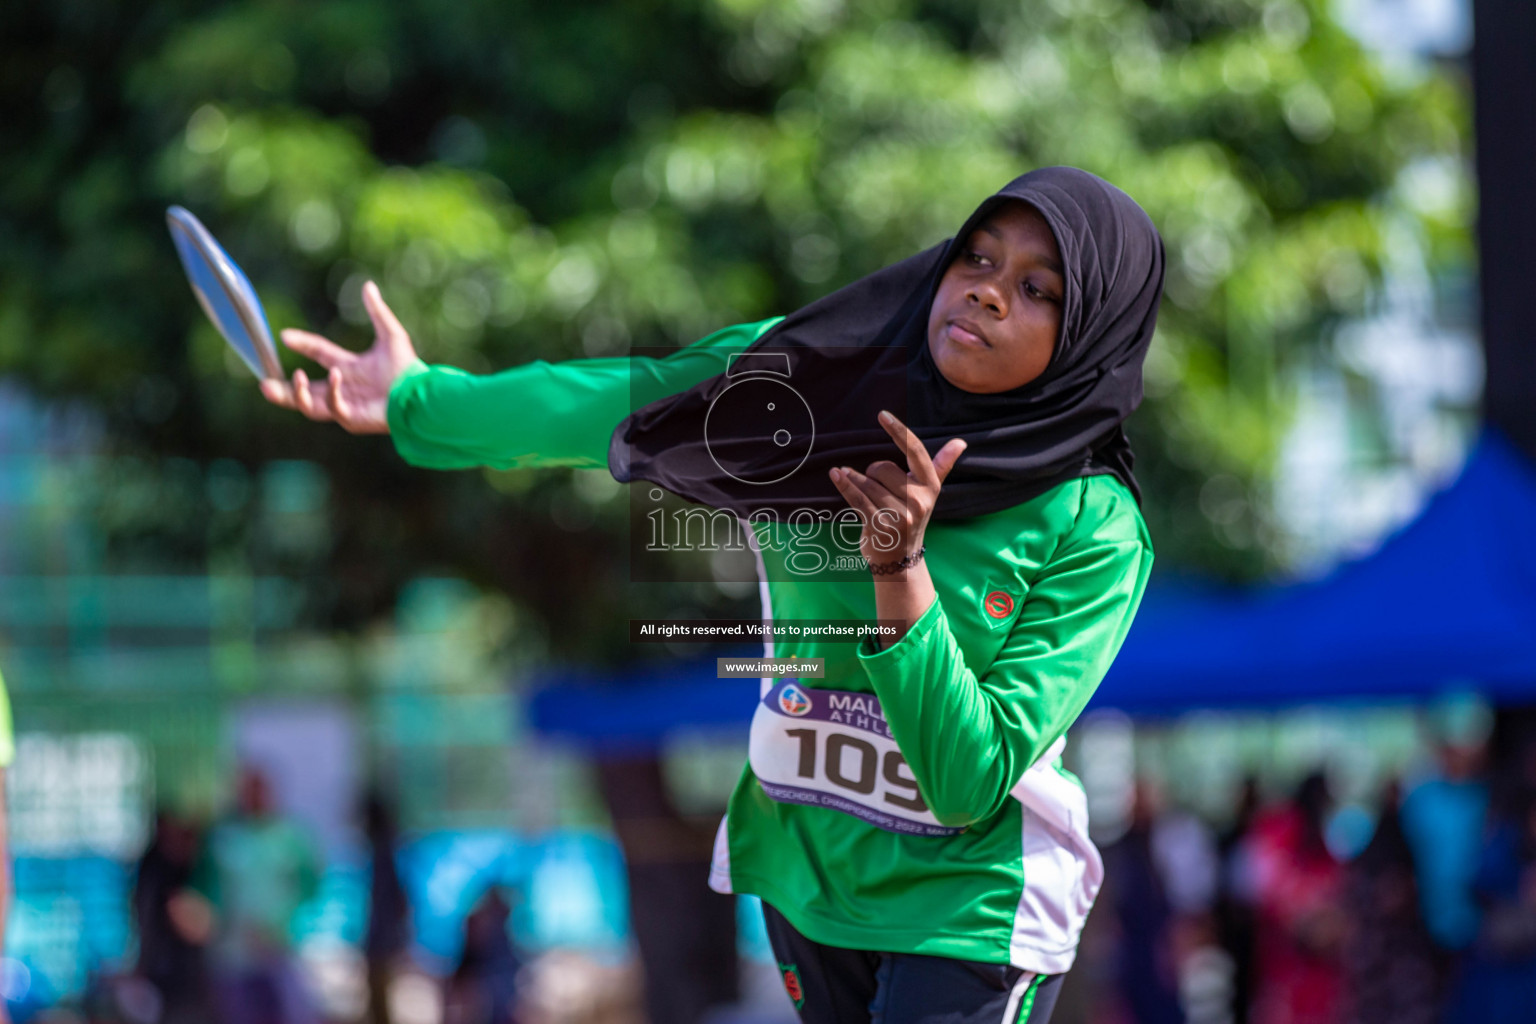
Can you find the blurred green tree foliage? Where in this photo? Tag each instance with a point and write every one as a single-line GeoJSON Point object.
{"type": "Point", "coordinates": [556, 180]}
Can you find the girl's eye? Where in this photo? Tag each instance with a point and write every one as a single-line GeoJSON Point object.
{"type": "Point", "coordinates": [1036, 293]}
{"type": "Point", "coordinates": [975, 257]}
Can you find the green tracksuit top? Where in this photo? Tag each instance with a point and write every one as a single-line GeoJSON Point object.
{"type": "Point", "coordinates": [918, 803]}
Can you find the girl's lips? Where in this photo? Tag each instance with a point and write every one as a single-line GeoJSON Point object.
{"type": "Point", "coordinates": [965, 336]}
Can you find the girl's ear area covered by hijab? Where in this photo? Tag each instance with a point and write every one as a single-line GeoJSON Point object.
{"type": "Point", "coordinates": [865, 348]}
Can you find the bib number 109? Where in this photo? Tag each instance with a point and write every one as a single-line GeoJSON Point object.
{"type": "Point", "coordinates": [851, 764]}
{"type": "Point", "coordinates": [833, 749]}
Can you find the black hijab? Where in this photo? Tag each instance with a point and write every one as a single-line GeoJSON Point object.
{"type": "Point", "coordinates": [865, 348]}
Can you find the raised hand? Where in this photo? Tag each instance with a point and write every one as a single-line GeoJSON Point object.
{"type": "Point", "coordinates": [355, 393]}
{"type": "Point", "coordinates": [896, 505]}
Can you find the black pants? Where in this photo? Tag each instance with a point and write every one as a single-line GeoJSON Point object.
{"type": "Point", "coordinates": [829, 985]}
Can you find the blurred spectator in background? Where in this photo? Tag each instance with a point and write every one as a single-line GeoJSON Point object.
{"type": "Point", "coordinates": [483, 988]}
{"type": "Point", "coordinates": [1443, 819]}
{"type": "Point", "coordinates": [173, 924]}
{"type": "Point", "coordinates": [1184, 850]}
{"type": "Point", "coordinates": [1300, 924]}
{"type": "Point", "coordinates": [7, 754]}
{"type": "Point", "coordinates": [1146, 968]}
{"type": "Point", "coordinates": [258, 870]}
{"type": "Point", "coordinates": [1390, 963]}
{"type": "Point", "coordinates": [1235, 917]}
{"type": "Point", "coordinates": [1163, 876]}
{"type": "Point", "coordinates": [685, 934]}
{"type": "Point", "coordinates": [1496, 982]}
{"type": "Point", "coordinates": [388, 936]}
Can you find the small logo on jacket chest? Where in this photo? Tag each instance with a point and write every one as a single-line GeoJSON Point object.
{"type": "Point", "coordinates": [999, 604]}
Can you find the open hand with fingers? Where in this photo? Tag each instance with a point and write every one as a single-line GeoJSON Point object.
{"type": "Point", "coordinates": [355, 391]}
{"type": "Point", "coordinates": [896, 504]}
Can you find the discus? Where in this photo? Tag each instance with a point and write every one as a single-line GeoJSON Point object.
{"type": "Point", "coordinates": [225, 294]}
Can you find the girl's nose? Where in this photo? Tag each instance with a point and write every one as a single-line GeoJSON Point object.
{"type": "Point", "coordinates": [986, 293]}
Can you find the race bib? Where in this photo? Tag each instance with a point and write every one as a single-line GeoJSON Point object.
{"type": "Point", "coordinates": [832, 748]}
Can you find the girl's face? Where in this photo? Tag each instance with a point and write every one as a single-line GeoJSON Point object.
{"type": "Point", "coordinates": [994, 320]}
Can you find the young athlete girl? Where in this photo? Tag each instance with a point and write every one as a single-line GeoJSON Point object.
{"type": "Point", "coordinates": [920, 852]}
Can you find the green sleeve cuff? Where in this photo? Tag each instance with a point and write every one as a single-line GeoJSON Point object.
{"type": "Point", "coordinates": [888, 661]}
{"type": "Point", "coordinates": [400, 393]}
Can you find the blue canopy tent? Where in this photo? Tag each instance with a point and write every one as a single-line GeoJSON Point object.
{"type": "Point", "coordinates": [1450, 599]}
{"type": "Point", "coordinates": [636, 710]}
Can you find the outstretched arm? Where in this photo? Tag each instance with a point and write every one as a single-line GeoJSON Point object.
{"type": "Point", "coordinates": [541, 413]}
{"type": "Point", "coordinates": [538, 414]}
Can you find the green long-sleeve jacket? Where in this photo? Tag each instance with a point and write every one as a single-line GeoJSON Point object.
{"type": "Point", "coordinates": [912, 799]}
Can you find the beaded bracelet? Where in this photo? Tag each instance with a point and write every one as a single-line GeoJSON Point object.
{"type": "Point", "coordinates": [892, 568]}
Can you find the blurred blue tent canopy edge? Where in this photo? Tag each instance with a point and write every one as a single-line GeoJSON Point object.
{"type": "Point", "coordinates": [1449, 600]}
{"type": "Point", "coordinates": [635, 711]}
